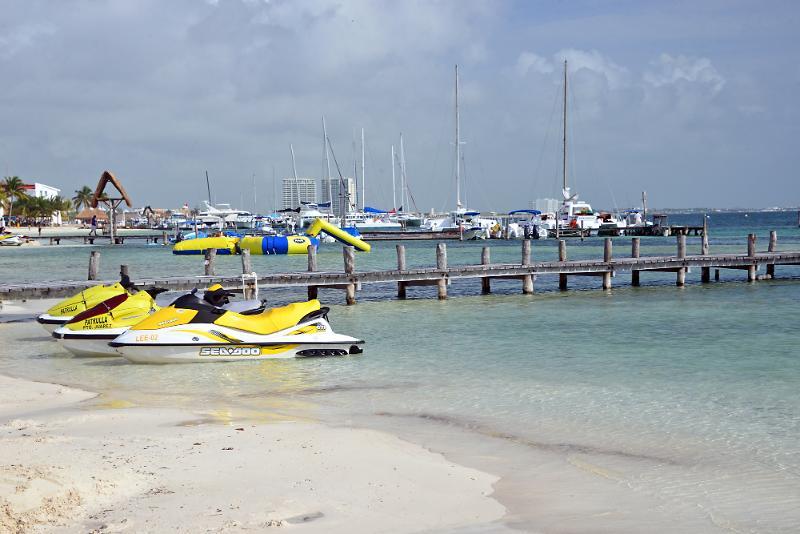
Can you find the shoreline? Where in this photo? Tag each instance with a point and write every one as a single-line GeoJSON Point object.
{"type": "Point", "coordinates": [71, 462]}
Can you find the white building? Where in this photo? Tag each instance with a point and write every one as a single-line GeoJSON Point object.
{"type": "Point", "coordinates": [297, 190]}
{"type": "Point", "coordinates": [45, 191]}
{"type": "Point", "coordinates": [336, 187]}
{"type": "Point", "coordinates": [546, 205]}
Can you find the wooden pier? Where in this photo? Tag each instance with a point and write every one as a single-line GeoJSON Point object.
{"type": "Point", "coordinates": [350, 280]}
{"type": "Point", "coordinates": [119, 239]}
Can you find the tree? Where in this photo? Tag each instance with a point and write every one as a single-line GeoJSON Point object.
{"type": "Point", "coordinates": [13, 190]}
{"type": "Point", "coordinates": [82, 198]}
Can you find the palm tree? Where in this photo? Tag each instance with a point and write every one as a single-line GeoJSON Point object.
{"type": "Point", "coordinates": [82, 198]}
{"type": "Point", "coordinates": [14, 189]}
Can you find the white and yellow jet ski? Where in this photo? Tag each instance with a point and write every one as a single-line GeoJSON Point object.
{"type": "Point", "coordinates": [89, 332]}
{"type": "Point", "coordinates": [10, 240]}
{"type": "Point", "coordinates": [195, 330]}
{"type": "Point", "coordinates": [67, 309]}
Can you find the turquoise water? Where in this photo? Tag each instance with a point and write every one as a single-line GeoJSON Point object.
{"type": "Point", "coordinates": [681, 403]}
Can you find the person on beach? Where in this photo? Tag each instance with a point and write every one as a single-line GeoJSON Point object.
{"type": "Point", "coordinates": [93, 231]}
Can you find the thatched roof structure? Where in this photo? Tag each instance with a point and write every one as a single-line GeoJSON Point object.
{"type": "Point", "coordinates": [105, 179]}
{"type": "Point", "coordinates": [86, 215]}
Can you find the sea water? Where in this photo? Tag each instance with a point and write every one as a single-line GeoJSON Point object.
{"type": "Point", "coordinates": [639, 409]}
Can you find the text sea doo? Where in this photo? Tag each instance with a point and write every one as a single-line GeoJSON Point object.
{"type": "Point", "coordinates": [68, 308]}
{"type": "Point", "coordinates": [194, 330]}
{"type": "Point", "coordinates": [89, 332]}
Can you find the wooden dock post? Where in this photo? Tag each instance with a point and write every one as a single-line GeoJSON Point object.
{"type": "Point", "coordinates": [705, 272]}
{"type": "Point", "coordinates": [401, 266]}
{"type": "Point", "coordinates": [313, 291]}
{"type": "Point", "coordinates": [208, 263]}
{"type": "Point", "coordinates": [349, 268]}
{"type": "Point", "coordinates": [441, 264]}
{"type": "Point", "coordinates": [635, 244]}
{"type": "Point", "coordinates": [681, 277]}
{"type": "Point", "coordinates": [607, 258]}
{"type": "Point", "coordinates": [247, 269]}
{"type": "Point", "coordinates": [562, 256]}
{"type": "Point", "coordinates": [527, 279]}
{"type": "Point", "coordinates": [94, 264]}
{"type": "Point", "coordinates": [751, 253]}
{"type": "Point", "coordinates": [486, 284]}
{"type": "Point", "coordinates": [773, 245]}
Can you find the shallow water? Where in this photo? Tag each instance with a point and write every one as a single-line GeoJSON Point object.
{"type": "Point", "coordinates": [661, 408]}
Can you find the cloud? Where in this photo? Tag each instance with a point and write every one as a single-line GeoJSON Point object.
{"type": "Point", "coordinates": [528, 61]}
{"type": "Point", "coordinates": [677, 70]}
{"type": "Point", "coordinates": [23, 37]}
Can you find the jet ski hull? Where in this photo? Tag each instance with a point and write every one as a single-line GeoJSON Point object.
{"type": "Point", "coordinates": [214, 343]}
{"type": "Point", "coordinates": [83, 343]}
{"type": "Point", "coordinates": [52, 322]}
{"type": "Point", "coordinates": [232, 353]}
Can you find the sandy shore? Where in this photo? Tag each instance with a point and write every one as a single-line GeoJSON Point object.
{"type": "Point", "coordinates": [69, 462]}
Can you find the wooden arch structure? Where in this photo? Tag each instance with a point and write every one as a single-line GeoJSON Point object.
{"type": "Point", "coordinates": [112, 202]}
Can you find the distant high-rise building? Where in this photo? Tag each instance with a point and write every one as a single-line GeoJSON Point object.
{"type": "Point", "coordinates": [546, 205]}
{"type": "Point", "coordinates": [297, 190]}
{"type": "Point", "coordinates": [336, 187]}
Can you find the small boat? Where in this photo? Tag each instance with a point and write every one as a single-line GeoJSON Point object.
{"type": "Point", "coordinates": [68, 308]}
{"type": "Point", "coordinates": [10, 240]}
{"type": "Point", "coordinates": [89, 332]}
{"type": "Point", "coordinates": [194, 330]}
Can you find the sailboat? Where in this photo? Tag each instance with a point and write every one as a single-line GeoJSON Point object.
{"type": "Point", "coordinates": [469, 223]}
{"type": "Point", "coordinates": [576, 217]}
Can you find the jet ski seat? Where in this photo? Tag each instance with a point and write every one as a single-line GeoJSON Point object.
{"type": "Point", "coordinates": [269, 321]}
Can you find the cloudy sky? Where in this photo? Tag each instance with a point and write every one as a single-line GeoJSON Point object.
{"type": "Point", "coordinates": [698, 103]}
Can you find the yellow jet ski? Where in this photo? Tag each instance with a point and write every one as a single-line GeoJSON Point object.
{"type": "Point", "coordinates": [68, 308]}
{"type": "Point", "coordinates": [200, 330]}
{"type": "Point", "coordinates": [88, 333]}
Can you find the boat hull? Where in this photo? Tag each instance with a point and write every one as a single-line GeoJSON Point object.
{"type": "Point", "coordinates": [90, 346]}
{"type": "Point", "coordinates": [52, 322]}
{"type": "Point", "coordinates": [197, 353]}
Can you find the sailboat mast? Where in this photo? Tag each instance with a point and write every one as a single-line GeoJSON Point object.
{"type": "Point", "coordinates": [294, 171]}
{"type": "Point", "coordinates": [255, 196]}
{"type": "Point", "coordinates": [394, 186]}
{"type": "Point", "coordinates": [403, 193]}
{"type": "Point", "coordinates": [458, 149]}
{"type": "Point", "coordinates": [363, 191]}
{"type": "Point", "coordinates": [208, 185]}
{"type": "Point", "coordinates": [327, 163]}
{"type": "Point", "coordinates": [564, 150]}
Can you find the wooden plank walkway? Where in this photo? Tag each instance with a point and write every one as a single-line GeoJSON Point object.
{"type": "Point", "coordinates": [351, 280]}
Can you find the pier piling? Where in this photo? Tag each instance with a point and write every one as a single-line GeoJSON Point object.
{"type": "Point", "coordinates": [681, 276]}
{"type": "Point", "coordinates": [773, 245]}
{"type": "Point", "coordinates": [486, 284]}
{"type": "Point", "coordinates": [313, 291]}
{"type": "Point", "coordinates": [635, 244]}
{"type": "Point", "coordinates": [94, 264]}
{"type": "Point", "coordinates": [705, 272]}
{"type": "Point", "coordinates": [441, 264]}
{"type": "Point", "coordinates": [208, 263]}
{"type": "Point", "coordinates": [527, 279]}
{"type": "Point", "coordinates": [751, 253]}
{"type": "Point", "coordinates": [249, 286]}
{"type": "Point", "coordinates": [349, 268]}
{"type": "Point", "coordinates": [562, 256]}
{"type": "Point", "coordinates": [401, 266]}
{"type": "Point", "coordinates": [607, 251]}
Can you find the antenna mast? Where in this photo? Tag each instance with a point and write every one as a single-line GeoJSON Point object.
{"type": "Point", "coordinates": [294, 171]}
{"type": "Point", "coordinates": [363, 190]}
{"type": "Point", "coordinates": [394, 185]}
{"type": "Point", "coordinates": [458, 150]}
{"type": "Point", "coordinates": [564, 151]}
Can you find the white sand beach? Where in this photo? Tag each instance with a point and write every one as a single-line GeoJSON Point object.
{"type": "Point", "coordinates": [71, 463]}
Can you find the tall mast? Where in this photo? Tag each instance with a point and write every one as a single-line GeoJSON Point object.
{"type": "Point", "coordinates": [327, 163]}
{"type": "Point", "coordinates": [208, 185]}
{"type": "Point", "coordinates": [255, 197]}
{"type": "Point", "coordinates": [458, 150]}
{"type": "Point", "coordinates": [403, 193]}
{"type": "Point", "coordinates": [564, 150]}
{"type": "Point", "coordinates": [363, 191]}
{"type": "Point", "coordinates": [394, 186]}
{"type": "Point", "coordinates": [294, 171]}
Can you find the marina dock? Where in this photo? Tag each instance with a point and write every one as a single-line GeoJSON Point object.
{"type": "Point", "coordinates": [526, 271]}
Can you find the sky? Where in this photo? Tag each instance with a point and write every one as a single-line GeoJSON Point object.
{"type": "Point", "coordinates": [696, 103]}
